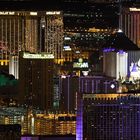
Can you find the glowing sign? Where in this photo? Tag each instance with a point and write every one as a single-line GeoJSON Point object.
{"type": "Point", "coordinates": [112, 86]}
{"type": "Point", "coordinates": [67, 38]}
{"type": "Point", "coordinates": [135, 9]}
{"type": "Point", "coordinates": [67, 48]}
{"type": "Point", "coordinates": [85, 73]}
{"type": "Point", "coordinates": [63, 76]}
{"type": "Point", "coordinates": [33, 13]}
{"type": "Point", "coordinates": [38, 56]}
{"type": "Point", "coordinates": [53, 13]}
{"type": "Point", "coordinates": [80, 65]}
{"type": "Point", "coordinates": [7, 13]}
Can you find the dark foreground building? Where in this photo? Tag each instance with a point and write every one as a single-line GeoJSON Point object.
{"type": "Point", "coordinates": [83, 84]}
{"type": "Point", "coordinates": [10, 132]}
{"type": "Point", "coordinates": [110, 117]}
{"type": "Point", "coordinates": [36, 80]}
{"type": "Point", "coordinates": [57, 137]}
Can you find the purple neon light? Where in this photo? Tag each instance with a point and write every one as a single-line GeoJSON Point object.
{"type": "Point", "coordinates": [79, 119]}
{"type": "Point", "coordinates": [121, 52]}
{"type": "Point", "coordinates": [134, 69]}
{"type": "Point", "coordinates": [28, 138]}
{"type": "Point", "coordinates": [109, 50]}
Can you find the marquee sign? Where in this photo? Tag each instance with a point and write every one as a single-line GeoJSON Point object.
{"type": "Point", "coordinates": [80, 64]}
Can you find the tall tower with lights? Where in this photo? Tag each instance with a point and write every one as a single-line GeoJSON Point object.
{"type": "Point", "coordinates": [130, 23]}
{"type": "Point", "coordinates": [32, 31]}
{"type": "Point", "coordinates": [36, 80]}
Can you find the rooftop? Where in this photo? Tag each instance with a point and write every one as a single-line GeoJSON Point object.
{"type": "Point", "coordinates": [119, 41]}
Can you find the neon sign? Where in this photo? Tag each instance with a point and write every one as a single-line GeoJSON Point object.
{"type": "Point", "coordinates": [80, 65]}
{"type": "Point", "coordinates": [7, 13]}
{"type": "Point", "coordinates": [38, 56]}
{"type": "Point", "coordinates": [135, 9]}
{"type": "Point", "coordinates": [53, 13]}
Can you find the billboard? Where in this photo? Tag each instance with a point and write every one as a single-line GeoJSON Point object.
{"type": "Point", "coordinates": [80, 64]}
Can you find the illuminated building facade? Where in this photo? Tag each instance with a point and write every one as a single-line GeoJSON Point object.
{"type": "Point", "coordinates": [36, 80]}
{"type": "Point", "coordinates": [86, 30]}
{"type": "Point", "coordinates": [86, 45]}
{"type": "Point", "coordinates": [31, 31]}
{"type": "Point", "coordinates": [119, 51]}
{"type": "Point", "coordinates": [54, 34]}
{"type": "Point", "coordinates": [15, 30]}
{"type": "Point", "coordinates": [4, 65]}
{"type": "Point", "coordinates": [73, 54]}
{"type": "Point", "coordinates": [58, 124]}
{"type": "Point", "coordinates": [56, 90]}
{"type": "Point", "coordinates": [129, 23]}
{"type": "Point", "coordinates": [36, 123]}
{"type": "Point", "coordinates": [111, 117]}
{"type": "Point", "coordinates": [83, 84]}
{"type": "Point", "coordinates": [68, 94]}
{"type": "Point", "coordinates": [13, 65]}
{"type": "Point", "coordinates": [118, 64]}
{"type": "Point", "coordinates": [134, 64]}
{"type": "Point", "coordinates": [91, 15]}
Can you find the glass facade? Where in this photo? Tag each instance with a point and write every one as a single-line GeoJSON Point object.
{"type": "Point", "coordinates": [111, 117]}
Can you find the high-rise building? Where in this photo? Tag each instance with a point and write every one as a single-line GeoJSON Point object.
{"type": "Point", "coordinates": [13, 65]}
{"type": "Point", "coordinates": [109, 117]}
{"type": "Point", "coordinates": [86, 29]}
{"type": "Point", "coordinates": [49, 137]}
{"type": "Point", "coordinates": [31, 31]}
{"type": "Point", "coordinates": [54, 34]}
{"type": "Point", "coordinates": [119, 51]}
{"type": "Point", "coordinates": [37, 123]}
{"type": "Point", "coordinates": [68, 94]}
{"type": "Point", "coordinates": [38, 31]}
{"type": "Point", "coordinates": [90, 15]}
{"type": "Point", "coordinates": [83, 84]}
{"type": "Point", "coordinates": [118, 64]}
{"type": "Point", "coordinates": [130, 23]}
{"type": "Point", "coordinates": [8, 132]}
{"type": "Point", "coordinates": [36, 80]}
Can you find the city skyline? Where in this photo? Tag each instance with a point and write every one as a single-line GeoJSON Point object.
{"type": "Point", "coordinates": [70, 69]}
